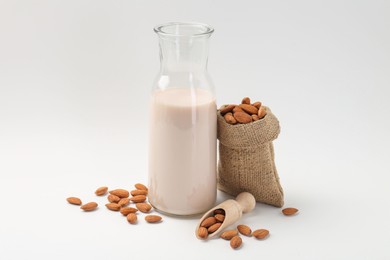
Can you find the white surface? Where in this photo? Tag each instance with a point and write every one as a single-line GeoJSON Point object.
{"type": "Point", "coordinates": [75, 77]}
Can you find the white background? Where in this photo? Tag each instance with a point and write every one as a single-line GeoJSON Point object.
{"type": "Point", "coordinates": [75, 77]}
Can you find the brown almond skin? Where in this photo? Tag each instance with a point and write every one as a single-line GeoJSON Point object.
{"type": "Point", "coordinates": [132, 218]}
{"type": "Point", "coordinates": [153, 218]}
{"type": "Point", "coordinates": [124, 202]}
{"type": "Point", "coordinates": [126, 211]}
{"type": "Point", "coordinates": [242, 117]}
{"type": "Point", "coordinates": [89, 206]}
{"type": "Point", "coordinates": [289, 211]}
{"type": "Point", "coordinates": [101, 191]}
{"type": "Point", "coordinates": [262, 113]}
{"type": "Point", "coordinates": [121, 193]}
{"type": "Point", "coordinates": [226, 108]}
{"type": "Point", "coordinates": [113, 199]}
{"type": "Point", "coordinates": [236, 242]}
{"type": "Point", "coordinates": [214, 228]}
{"type": "Point", "coordinates": [260, 233]}
{"type": "Point", "coordinates": [229, 118]}
{"type": "Point", "coordinates": [143, 207]}
{"type": "Point", "coordinates": [237, 109]}
{"type": "Point", "coordinates": [138, 192]}
{"type": "Point", "coordinates": [207, 222]}
{"type": "Point", "coordinates": [203, 233]}
{"type": "Point", "coordinates": [113, 206]}
{"type": "Point", "coordinates": [249, 109]}
{"type": "Point", "coordinates": [138, 198]}
{"type": "Point", "coordinates": [244, 230]}
{"type": "Point", "coordinates": [257, 104]}
{"type": "Point", "coordinates": [219, 217]}
{"type": "Point", "coordinates": [229, 234]}
{"type": "Point", "coordinates": [74, 200]}
{"type": "Point", "coordinates": [246, 100]}
{"type": "Point", "coordinates": [255, 117]}
{"type": "Point", "coordinates": [140, 186]}
{"type": "Point", "coordinates": [219, 211]}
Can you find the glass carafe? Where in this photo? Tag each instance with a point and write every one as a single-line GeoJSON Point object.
{"type": "Point", "coordinates": [183, 124]}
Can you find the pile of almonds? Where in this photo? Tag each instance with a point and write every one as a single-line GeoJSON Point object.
{"type": "Point", "coordinates": [119, 199]}
{"type": "Point", "coordinates": [211, 224]}
{"type": "Point", "coordinates": [244, 113]}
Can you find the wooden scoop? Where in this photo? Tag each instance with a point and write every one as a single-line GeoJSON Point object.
{"type": "Point", "coordinates": [245, 202]}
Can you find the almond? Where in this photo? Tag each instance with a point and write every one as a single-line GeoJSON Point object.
{"type": "Point", "coordinates": [89, 206]}
{"type": "Point", "coordinates": [132, 218]}
{"type": "Point", "coordinates": [289, 211]}
{"type": "Point", "coordinates": [219, 211]}
{"type": "Point", "coordinates": [237, 109]}
{"type": "Point", "coordinates": [214, 227]}
{"type": "Point", "coordinates": [138, 198]}
{"type": "Point", "coordinates": [235, 242]}
{"type": "Point", "coordinates": [262, 113]}
{"type": "Point", "coordinates": [126, 211]}
{"type": "Point", "coordinates": [229, 118]}
{"type": "Point", "coordinates": [124, 202]}
{"type": "Point", "coordinates": [153, 218]}
{"type": "Point", "coordinates": [244, 230]}
{"type": "Point", "coordinates": [219, 217]}
{"type": "Point", "coordinates": [101, 191]}
{"type": "Point", "coordinates": [226, 108]}
{"type": "Point", "coordinates": [203, 233]}
{"type": "Point", "coordinates": [255, 117]}
{"type": "Point", "coordinates": [140, 186]}
{"type": "Point", "coordinates": [121, 193]}
{"type": "Point", "coordinates": [207, 222]}
{"type": "Point", "coordinates": [249, 109]}
{"type": "Point", "coordinates": [74, 200]}
{"type": "Point", "coordinates": [246, 100]}
{"type": "Point", "coordinates": [260, 233]}
{"type": "Point", "coordinates": [138, 192]}
{"type": "Point", "coordinates": [257, 105]}
{"type": "Point", "coordinates": [242, 117]}
{"type": "Point", "coordinates": [113, 199]}
{"type": "Point", "coordinates": [229, 234]}
{"type": "Point", "coordinates": [113, 206]}
{"type": "Point", "coordinates": [143, 207]}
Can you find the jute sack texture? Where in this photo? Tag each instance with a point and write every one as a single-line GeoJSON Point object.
{"type": "Point", "coordinates": [246, 159]}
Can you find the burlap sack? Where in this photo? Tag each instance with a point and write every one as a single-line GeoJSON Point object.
{"type": "Point", "coordinates": [246, 159]}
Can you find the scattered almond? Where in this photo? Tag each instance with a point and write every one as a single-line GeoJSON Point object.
{"type": "Point", "coordinates": [113, 199]}
{"type": "Point", "coordinates": [214, 227]}
{"type": "Point", "coordinates": [260, 233]}
{"type": "Point", "coordinates": [244, 230]}
{"type": "Point", "coordinates": [246, 100]}
{"type": "Point", "coordinates": [74, 200]}
{"type": "Point", "coordinates": [101, 191]}
{"type": "Point", "coordinates": [219, 217]}
{"type": "Point", "coordinates": [140, 186]}
{"type": "Point", "coordinates": [138, 198]}
{"type": "Point", "coordinates": [124, 202]}
{"type": "Point", "coordinates": [236, 242]}
{"type": "Point", "coordinates": [126, 211]}
{"type": "Point", "coordinates": [121, 193]}
{"type": "Point", "coordinates": [153, 218]}
{"type": "Point", "coordinates": [89, 206]}
{"type": "Point", "coordinates": [138, 192]}
{"type": "Point", "coordinates": [203, 233]}
{"type": "Point", "coordinates": [242, 117]}
{"type": "Point", "coordinates": [143, 207]}
{"type": "Point", "coordinates": [207, 222]}
{"type": "Point", "coordinates": [227, 108]}
{"type": "Point", "coordinates": [289, 211]}
{"type": "Point", "coordinates": [113, 206]}
{"type": "Point", "coordinates": [132, 218]}
{"type": "Point", "coordinates": [229, 234]}
{"type": "Point", "coordinates": [249, 109]}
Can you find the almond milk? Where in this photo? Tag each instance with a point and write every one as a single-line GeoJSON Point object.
{"type": "Point", "coordinates": [182, 151]}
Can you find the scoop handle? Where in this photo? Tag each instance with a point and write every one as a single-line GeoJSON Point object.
{"type": "Point", "coordinates": [246, 201]}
